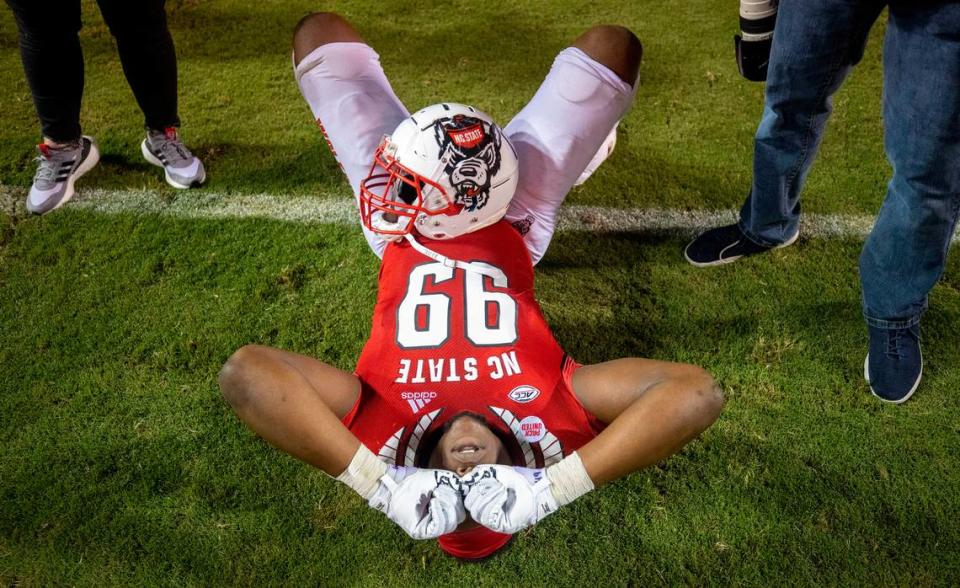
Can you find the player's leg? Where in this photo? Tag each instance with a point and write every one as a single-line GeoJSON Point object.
{"type": "Point", "coordinates": [53, 64]}
{"type": "Point", "coordinates": [341, 79]}
{"type": "Point", "coordinates": [905, 254]}
{"type": "Point", "coordinates": [587, 91]}
{"type": "Point", "coordinates": [601, 43]}
{"type": "Point", "coordinates": [815, 47]}
{"type": "Point", "coordinates": [294, 402]}
{"type": "Point", "coordinates": [614, 47]}
{"type": "Point", "coordinates": [652, 409]}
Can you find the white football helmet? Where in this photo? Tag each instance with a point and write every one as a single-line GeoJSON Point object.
{"type": "Point", "coordinates": [447, 170]}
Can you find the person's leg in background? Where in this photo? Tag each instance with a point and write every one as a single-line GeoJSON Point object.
{"type": "Point", "coordinates": [815, 47]}
{"type": "Point", "coordinates": [150, 65]}
{"type": "Point", "coordinates": [905, 253]}
{"type": "Point", "coordinates": [53, 64]}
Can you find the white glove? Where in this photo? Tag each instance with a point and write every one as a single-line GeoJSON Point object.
{"type": "Point", "coordinates": [424, 503]}
{"type": "Point", "coordinates": [507, 499]}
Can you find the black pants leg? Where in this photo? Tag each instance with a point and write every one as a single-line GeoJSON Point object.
{"type": "Point", "coordinates": [147, 55]}
{"type": "Point", "coordinates": [53, 62]}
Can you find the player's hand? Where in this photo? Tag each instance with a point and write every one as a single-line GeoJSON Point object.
{"type": "Point", "coordinates": [507, 499]}
{"type": "Point", "coordinates": [424, 503]}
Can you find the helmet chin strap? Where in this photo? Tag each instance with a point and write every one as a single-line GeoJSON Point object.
{"type": "Point", "coordinates": [455, 263]}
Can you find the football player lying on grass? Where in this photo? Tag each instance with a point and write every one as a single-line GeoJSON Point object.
{"type": "Point", "coordinates": [462, 402]}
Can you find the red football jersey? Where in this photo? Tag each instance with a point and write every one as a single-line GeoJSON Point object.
{"type": "Point", "coordinates": [446, 340]}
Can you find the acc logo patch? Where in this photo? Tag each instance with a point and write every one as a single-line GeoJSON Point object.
{"type": "Point", "coordinates": [523, 394]}
{"type": "Point", "coordinates": [533, 429]}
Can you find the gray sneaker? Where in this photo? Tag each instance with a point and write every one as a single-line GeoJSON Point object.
{"type": "Point", "coordinates": [58, 169]}
{"type": "Point", "coordinates": [164, 149]}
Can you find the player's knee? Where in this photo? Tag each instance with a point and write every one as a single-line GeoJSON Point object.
{"type": "Point", "coordinates": [615, 47]}
{"type": "Point", "coordinates": [706, 395]}
{"type": "Point", "coordinates": [234, 378]}
{"type": "Point", "coordinates": [320, 28]}
{"type": "Point", "coordinates": [318, 24]}
{"type": "Point", "coordinates": [702, 398]}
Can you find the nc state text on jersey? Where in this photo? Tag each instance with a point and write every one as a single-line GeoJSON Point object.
{"type": "Point", "coordinates": [453, 369]}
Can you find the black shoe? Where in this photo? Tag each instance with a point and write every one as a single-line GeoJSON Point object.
{"type": "Point", "coordinates": [725, 245]}
{"type": "Point", "coordinates": [894, 364]}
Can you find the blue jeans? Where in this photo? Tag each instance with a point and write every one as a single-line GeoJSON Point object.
{"type": "Point", "coordinates": [815, 46]}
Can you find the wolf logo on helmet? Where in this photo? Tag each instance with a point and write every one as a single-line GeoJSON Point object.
{"type": "Point", "coordinates": [470, 148]}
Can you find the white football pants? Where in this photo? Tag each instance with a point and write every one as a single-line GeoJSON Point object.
{"type": "Point", "coordinates": [555, 135]}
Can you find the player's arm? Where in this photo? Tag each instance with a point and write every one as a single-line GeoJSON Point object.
{"type": "Point", "coordinates": [296, 403]}
{"type": "Point", "coordinates": [652, 408]}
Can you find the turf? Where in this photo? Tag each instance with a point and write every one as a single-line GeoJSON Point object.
{"type": "Point", "coordinates": [120, 464]}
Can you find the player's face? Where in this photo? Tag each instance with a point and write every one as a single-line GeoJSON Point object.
{"type": "Point", "coordinates": [468, 442]}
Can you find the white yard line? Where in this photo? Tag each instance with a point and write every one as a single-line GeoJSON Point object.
{"type": "Point", "coordinates": [322, 209]}
{"type": "Point", "coordinates": [336, 209]}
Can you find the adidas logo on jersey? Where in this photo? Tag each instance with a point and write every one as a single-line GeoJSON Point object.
{"type": "Point", "coordinates": [417, 400]}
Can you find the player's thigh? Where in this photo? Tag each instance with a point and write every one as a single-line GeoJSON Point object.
{"type": "Point", "coordinates": [607, 389]}
{"type": "Point", "coordinates": [338, 389]}
{"type": "Point", "coordinates": [557, 134]}
{"type": "Point", "coordinates": [352, 102]}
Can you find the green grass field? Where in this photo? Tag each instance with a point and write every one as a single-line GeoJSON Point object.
{"type": "Point", "coordinates": [120, 463]}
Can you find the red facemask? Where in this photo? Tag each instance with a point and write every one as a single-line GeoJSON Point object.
{"type": "Point", "coordinates": [394, 190]}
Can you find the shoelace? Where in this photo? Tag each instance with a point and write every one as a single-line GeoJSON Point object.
{"type": "Point", "coordinates": [173, 149]}
{"type": "Point", "coordinates": [893, 344]}
{"type": "Point", "coordinates": [46, 171]}
{"type": "Point", "coordinates": [49, 168]}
